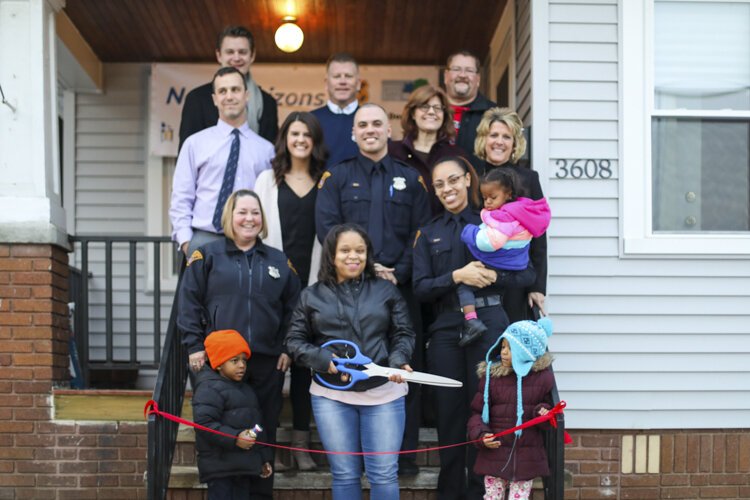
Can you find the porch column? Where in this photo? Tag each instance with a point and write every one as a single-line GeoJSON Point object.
{"type": "Point", "coordinates": [30, 194]}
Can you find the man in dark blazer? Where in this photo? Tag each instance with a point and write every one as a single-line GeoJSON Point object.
{"type": "Point", "coordinates": [235, 47]}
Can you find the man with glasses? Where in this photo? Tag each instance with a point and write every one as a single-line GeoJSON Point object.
{"type": "Point", "coordinates": [462, 86]}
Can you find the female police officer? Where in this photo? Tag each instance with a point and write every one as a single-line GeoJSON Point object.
{"type": "Point", "coordinates": [239, 283]}
{"type": "Point", "coordinates": [441, 262]}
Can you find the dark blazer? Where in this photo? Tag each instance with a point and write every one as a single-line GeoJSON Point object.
{"type": "Point", "coordinates": [199, 112]}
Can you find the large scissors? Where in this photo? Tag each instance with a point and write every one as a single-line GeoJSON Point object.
{"type": "Point", "coordinates": [360, 367]}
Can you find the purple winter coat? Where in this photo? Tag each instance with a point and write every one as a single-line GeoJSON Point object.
{"type": "Point", "coordinates": [528, 459]}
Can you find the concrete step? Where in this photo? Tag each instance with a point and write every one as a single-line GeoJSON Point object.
{"type": "Point", "coordinates": [186, 477]}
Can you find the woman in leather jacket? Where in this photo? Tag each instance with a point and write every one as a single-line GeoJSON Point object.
{"type": "Point", "coordinates": [349, 302]}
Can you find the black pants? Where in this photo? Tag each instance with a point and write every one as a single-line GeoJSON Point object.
{"type": "Point", "coordinates": [299, 394]}
{"type": "Point", "coordinates": [452, 405]}
{"type": "Point", "coordinates": [267, 382]}
{"type": "Point", "coordinates": [413, 403]}
{"type": "Point", "coordinates": [234, 488]}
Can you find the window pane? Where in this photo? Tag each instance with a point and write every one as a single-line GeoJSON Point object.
{"type": "Point", "coordinates": [702, 55]}
{"type": "Point", "coordinates": [701, 174]}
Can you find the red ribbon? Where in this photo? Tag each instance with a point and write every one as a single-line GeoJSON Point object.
{"type": "Point", "coordinates": [152, 408]}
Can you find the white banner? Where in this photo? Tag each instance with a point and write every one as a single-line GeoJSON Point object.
{"type": "Point", "coordinates": [298, 87]}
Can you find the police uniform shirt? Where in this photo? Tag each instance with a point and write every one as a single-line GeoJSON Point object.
{"type": "Point", "coordinates": [344, 195]}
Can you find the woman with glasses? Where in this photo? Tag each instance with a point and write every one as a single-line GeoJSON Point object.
{"type": "Point", "coordinates": [441, 263]}
{"type": "Point", "coordinates": [427, 123]}
{"type": "Point", "coordinates": [500, 144]}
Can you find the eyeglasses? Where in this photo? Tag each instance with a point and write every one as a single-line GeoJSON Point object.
{"type": "Point", "coordinates": [437, 108]}
{"type": "Point", "coordinates": [459, 70]}
{"type": "Point", "coordinates": [452, 181]}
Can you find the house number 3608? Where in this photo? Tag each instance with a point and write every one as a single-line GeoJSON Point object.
{"type": "Point", "coordinates": [583, 169]}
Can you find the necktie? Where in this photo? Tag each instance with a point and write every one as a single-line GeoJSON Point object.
{"type": "Point", "coordinates": [376, 208]}
{"type": "Point", "coordinates": [227, 185]}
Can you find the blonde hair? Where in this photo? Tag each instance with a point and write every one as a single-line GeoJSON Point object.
{"type": "Point", "coordinates": [226, 216]}
{"type": "Point", "coordinates": [511, 119]}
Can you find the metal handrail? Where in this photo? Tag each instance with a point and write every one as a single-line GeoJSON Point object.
{"type": "Point", "coordinates": [169, 394]}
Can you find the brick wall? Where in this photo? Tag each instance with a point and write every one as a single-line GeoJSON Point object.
{"type": "Point", "coordinates": [684, 464]}
{"type": "Point", "coordinates": [40, 458]}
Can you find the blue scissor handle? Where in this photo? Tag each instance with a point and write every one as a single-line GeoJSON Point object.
{"type": "Point", "coordinates": [341, 365]}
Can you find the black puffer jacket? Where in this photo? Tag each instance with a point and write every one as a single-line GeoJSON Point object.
{"type": "Point", "coordinates": [369, 312]}
{"type": "Point", "coordinates": [229, 407]}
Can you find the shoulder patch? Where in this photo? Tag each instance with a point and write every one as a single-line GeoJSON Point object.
{"type": "Point", "coordinates": [323, 178]}
{"type": "Point", "coordinates": [196, 255]}
{"type": "Point", "coordinates": [421, 181]}
{"type": "Point", "coordinates": [289, 263]}
{"type": "Point", "coordinates": [416, 237]}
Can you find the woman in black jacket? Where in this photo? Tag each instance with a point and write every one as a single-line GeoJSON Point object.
{"type": "Point", "coordinates": [239, 283]}
{"type": "Point", "coordinates": [501, 144]}
{"type": "Point", "coordinates": [349, 302]}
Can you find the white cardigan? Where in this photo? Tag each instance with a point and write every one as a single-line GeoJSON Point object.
{"type": "Point", "coordinates": [268, 192]}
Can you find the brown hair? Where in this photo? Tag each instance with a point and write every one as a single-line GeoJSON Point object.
{"type": "Point", "coordinates": [281, 163]}
{"type": "Point", "coordinates": [419, 97]}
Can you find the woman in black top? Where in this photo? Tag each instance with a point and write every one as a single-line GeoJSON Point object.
{"type": "Point", "coordinates": [501, 144]}
{"type": "Point", "coordinates": [288, 193]}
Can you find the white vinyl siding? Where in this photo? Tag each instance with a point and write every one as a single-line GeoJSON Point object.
{"type": "Point", "coordinates": [523, 60]}
{"type": "Point", "coordinates": [639, 343]}
{"type": "Point", "coordinates": [110, 200]}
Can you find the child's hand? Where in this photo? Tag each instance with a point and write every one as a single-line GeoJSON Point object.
{"type": "Point", "coordinates": [246, 439]}
{"type": "Point", "coordinates": [543, 411]}
{"type": "Point", "coordinates": [489, 442]}
{"type": "Point", "coordinates": [266, 470]}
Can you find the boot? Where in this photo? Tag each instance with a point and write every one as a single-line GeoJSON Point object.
{"type": "Point", "coordinates": [278, 465]}
{"type": "Point", "coordinates": [301, 439]}
{"type": "Point", "coordinates": [472, 331]}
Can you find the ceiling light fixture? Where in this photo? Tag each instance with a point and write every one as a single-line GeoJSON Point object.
{"type": "Point", "coordinates": [289, 36]}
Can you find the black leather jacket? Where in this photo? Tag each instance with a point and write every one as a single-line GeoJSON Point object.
{"type": "Point", "coordinates": [369, 312]}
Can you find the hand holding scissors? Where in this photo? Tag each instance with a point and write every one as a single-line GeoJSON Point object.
{"type": "Point", "coordinates": [360, 367]}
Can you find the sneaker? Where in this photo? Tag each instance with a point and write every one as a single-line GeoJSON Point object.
{"type": "Point", "coordinates": [473, 329]}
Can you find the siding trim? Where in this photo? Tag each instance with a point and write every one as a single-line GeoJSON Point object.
{"type": "Point", "coordinates": [540, 99]}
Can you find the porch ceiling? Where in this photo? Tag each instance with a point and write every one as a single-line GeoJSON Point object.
{"type": "Point", "coordinates": [374, 31]}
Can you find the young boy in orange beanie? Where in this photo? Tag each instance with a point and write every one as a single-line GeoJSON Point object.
{"type": "Point", "coordinates": [223, 401]}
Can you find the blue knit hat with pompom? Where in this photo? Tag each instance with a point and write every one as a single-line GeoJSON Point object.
{"type": "Point", "coordinates": [528, 342]}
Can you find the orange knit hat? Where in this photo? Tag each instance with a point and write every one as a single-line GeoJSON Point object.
{"type": "Point", "coordinates": [222, 345]}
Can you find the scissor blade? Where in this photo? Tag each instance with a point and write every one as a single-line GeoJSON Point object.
{"type": "Point", "coordinates": [374, 370]}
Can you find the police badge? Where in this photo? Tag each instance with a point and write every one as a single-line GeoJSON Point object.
{"type": "Point", "coordinates": [399, 183]}
{"type": "Point", "coordinates": [274, 272]}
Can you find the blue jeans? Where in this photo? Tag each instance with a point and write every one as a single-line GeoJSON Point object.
{"type": "Point", "coordinates": [345, 427]}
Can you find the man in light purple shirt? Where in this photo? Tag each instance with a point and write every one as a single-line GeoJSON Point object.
{"type": "Point", "coordinates": [203, 159]}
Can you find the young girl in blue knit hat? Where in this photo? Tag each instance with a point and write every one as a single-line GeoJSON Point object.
{"type": "Point", "coordinates": [515, 385]}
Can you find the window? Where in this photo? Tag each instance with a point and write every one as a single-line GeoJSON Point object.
{"type": "Point", "coordinates": [686, 127]}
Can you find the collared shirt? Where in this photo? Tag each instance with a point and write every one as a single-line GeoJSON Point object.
{"type": "Point", "coordinates": [200, 172]}
{"type": "Point", "coordinates": [344, 196]}
{"type": "Point", "coordinates": [346, 110]}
